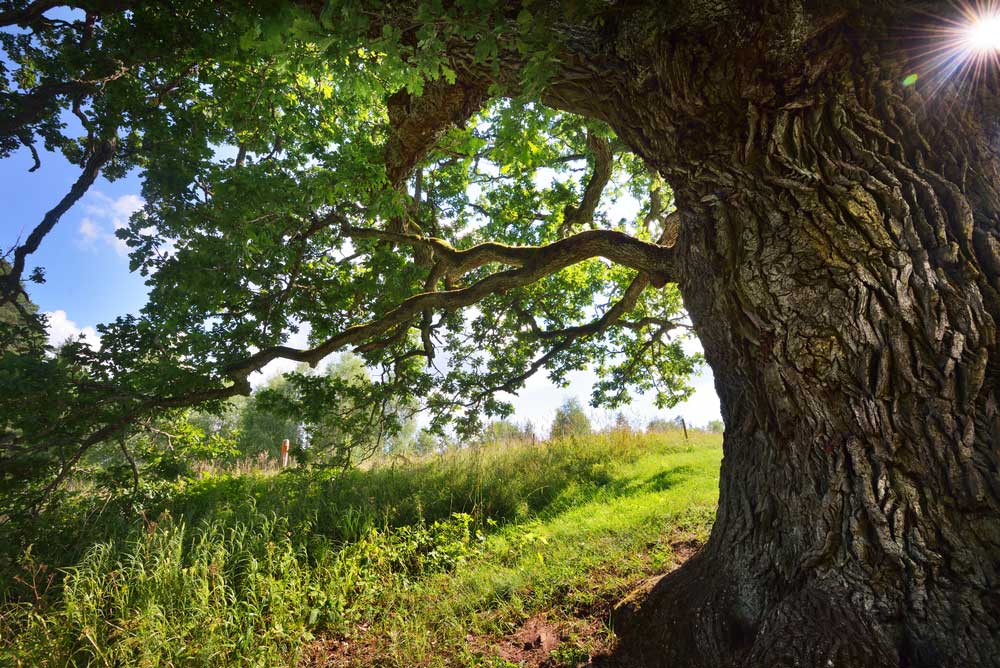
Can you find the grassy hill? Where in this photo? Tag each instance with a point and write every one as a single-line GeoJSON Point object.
{"type": "Point", "coordinates": [495, 556]}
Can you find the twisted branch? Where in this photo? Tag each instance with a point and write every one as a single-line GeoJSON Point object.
{"type": "Point", "coordinates": [532, 263]}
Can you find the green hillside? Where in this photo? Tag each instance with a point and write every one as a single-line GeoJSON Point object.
{"type": "Point", "coordinates": [491, 556]}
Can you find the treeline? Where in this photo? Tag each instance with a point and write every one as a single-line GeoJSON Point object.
{"type": "Point", "coordinates": [245, 434]}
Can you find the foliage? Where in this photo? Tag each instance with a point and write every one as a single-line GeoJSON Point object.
{"type": "Point", "coordinates": [621, 422]}
{"type": "Point", "coordinates": [252, 570]}
{"type": "Point", "coordinates": [505, 431]}
{"type": "Point", "coordinates": [360, 169]}
{"type": "Point", "coordinates": [570, 420]}
{"type": "Point", "coordinates": [21, 332]}
{"type": "Point", "coordinates": [339, 417]}
{"type": "Point", "coordinates": [174, 443]}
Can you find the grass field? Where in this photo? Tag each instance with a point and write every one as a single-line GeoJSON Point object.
{"type": "Point", "coordinates": [496, 556]}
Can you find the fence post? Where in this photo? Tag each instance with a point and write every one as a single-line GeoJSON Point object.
{"type": "Point", "coordinates": [284, 453]}
{"type": "Point", "coordinates": [684, 424]}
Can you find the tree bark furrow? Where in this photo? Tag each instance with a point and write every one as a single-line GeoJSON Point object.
{"type": "Point", "coordinates": [839, 258]}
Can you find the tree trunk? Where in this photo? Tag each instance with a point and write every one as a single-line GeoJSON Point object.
{"type": "Point", "coordinates": [841, 255]}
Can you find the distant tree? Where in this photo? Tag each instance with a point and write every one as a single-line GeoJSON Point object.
{"type": "Point", "coordinates": [262, 428]}
{"type": "Point", "coordinates": [424, 443]}
{"type": "Point", "coordinates": [570, 420]}
{"type": "Point", "coordinates": [338, 417]}
{"type": "Point", "coordinates": [659, 425]}
{"type": "Point", "coordinates": [621, 422]}
{"type": "Point", "coordinates": [227, 421]}
{"type": "Point", "coordinates": [506, 431]}
{"type": "Point", "coordinates": [715, 426]}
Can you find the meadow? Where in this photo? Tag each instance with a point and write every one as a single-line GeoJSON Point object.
{"type": "Point", "coordinates": [494, 556]}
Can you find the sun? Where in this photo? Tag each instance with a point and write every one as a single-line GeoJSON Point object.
{"type": "Point", "coordinates": [983, 32]}
{"type": "Point", "coordinates": [961, 47]}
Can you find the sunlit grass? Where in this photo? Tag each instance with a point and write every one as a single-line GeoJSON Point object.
{"type": "Point", "coordinates": [408, 559]}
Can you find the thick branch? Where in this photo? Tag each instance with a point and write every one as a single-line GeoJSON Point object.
{"type": "Point", "coordinates": [609, 244]}
{"type": "Point", "coordinates": [418, 121]}
{"type": "Point", "coordinates": [533, 263]}
{"type": "Point", "coordinates": [29, 107]}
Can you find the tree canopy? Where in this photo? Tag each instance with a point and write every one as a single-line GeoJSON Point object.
{"type": "Point", "coordinates": [427, 184]}
{"type": "Point", "coordinates": [398, 180]}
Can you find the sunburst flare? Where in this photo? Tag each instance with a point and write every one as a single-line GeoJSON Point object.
{"type": "Point", "coordinates": [962, 48]}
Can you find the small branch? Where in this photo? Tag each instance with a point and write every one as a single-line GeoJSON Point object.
{"type": "Point", "coordinates": [570, 335]}
{"type": "Point", "coordinates": [613, 314]}
{"type": "Point", "coordinates": [131, 461]}
{"type": "Point", "coordinates": [26, 141]}
{"type": "Point", "coordinates": [173, 84]}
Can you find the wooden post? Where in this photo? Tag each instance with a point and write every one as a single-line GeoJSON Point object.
{"type": "Point", "coordinates": [284, 453]}
{"type": "Point", "coordinates": [684, 424]}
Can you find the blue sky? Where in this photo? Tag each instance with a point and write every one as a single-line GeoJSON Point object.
{"type": "Point", "coordinates": [88, 280]}
{"type": "Point", "coordinates": [86, 274]}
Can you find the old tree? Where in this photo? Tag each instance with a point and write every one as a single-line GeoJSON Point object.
{"type": "Point", "coordinates": [428, 183]}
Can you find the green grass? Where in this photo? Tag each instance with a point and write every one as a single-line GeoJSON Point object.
{"type": "Point", "coordinates": [402, 562]}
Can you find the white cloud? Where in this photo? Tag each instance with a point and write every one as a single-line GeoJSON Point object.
{"type": "Point", "coordinates": [62, 329]}
{"type": "Point", "coordinates": [126, 205]}
{"type": "Point", "coordinates": [89, 231]}
{"type": "Point", "coordinates": [107, 215]}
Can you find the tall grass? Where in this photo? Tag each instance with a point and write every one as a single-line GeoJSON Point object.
{"type": "Point", "coordinates": [248, 569]}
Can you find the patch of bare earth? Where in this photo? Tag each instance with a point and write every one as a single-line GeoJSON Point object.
{"type": "Point", "coordinates": [684, 550]}
{"type": "Point", "coordinates": [340, 653]}
{"type": "Point", "coordinates": [530, 645]}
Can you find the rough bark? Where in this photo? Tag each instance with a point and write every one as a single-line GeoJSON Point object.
{"type": "Point", "coordinates": [840, 259]}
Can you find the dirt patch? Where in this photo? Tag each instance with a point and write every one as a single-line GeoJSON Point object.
{"type": "Point", "coordinates": [532, 643]}
{"type": "Point", "coordinates": [338, 653]}
{"type": "Point", "coordinates": [574, 641]}
{"type": "Point", "coordinates": [684, 550]}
